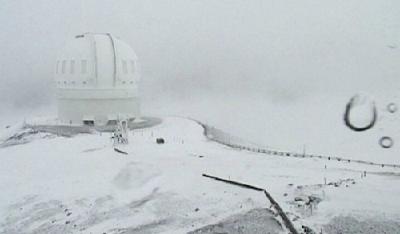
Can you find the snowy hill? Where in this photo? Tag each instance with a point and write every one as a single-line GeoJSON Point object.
{"type": "Point", "coordinates": [79, 184]}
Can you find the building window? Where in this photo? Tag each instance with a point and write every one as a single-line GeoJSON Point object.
{"type": "Point", "coordinates": [83, 66]}
{"type": "Point", "coordinates": [72, 67]}
{"type": "Point", "coordinates": [88, 122]}
{"type": "Point", "coordinates": [125, 66]}
{"type": "Point", "coordinates": [64, 65]}
{"type": "Point", "coordinates": [112, 122]}
{"type": "Point", "coordinates": [57, 66]}
{"type": "Point", "coordinates": [132, 66]}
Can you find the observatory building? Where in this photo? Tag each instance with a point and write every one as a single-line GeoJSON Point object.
{"type": "Point", "coordinates": [97, 81]}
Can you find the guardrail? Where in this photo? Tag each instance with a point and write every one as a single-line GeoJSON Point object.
{"type": "Point", "coordinates": [220, 137]}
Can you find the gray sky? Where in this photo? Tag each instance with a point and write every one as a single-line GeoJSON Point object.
{"type": "Point", "coordinates": [281, 50]}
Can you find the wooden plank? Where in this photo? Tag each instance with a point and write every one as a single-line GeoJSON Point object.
{"type": "Point", "coordinates": [289, 225]}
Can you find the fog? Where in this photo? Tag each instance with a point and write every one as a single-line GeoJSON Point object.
{"type": "Point", "coordinates": [232, 63]}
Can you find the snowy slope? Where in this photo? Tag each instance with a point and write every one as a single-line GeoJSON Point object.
{"type": "Point", "coordinates": [313, 122]}
{"type": "Point", "coordinates": [81, 185]}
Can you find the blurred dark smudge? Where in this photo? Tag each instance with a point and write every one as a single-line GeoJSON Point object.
{"type": "Point", "coordinates": [354, 101]}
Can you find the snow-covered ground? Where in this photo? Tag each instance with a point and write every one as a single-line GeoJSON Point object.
{"type": "Point", "coordinates": [80, 184]}
{"type": "Point", "coordinates": [314, 122]}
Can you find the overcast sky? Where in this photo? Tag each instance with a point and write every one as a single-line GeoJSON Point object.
{"type": "Point", "coordinates": [282, 50]}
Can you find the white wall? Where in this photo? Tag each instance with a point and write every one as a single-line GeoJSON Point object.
{"type": "Point", "coordinates": [75, 109]}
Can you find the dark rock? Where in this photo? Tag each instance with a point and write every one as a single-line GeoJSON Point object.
{"type": "Point", "coordinates": [160, 141]}
{"type": "Point", "coordinates": [298, 199]}
{"type": "Point", "coordinates": [307, 230]}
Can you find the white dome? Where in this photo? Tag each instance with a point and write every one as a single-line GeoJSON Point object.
{"type": "Point", "coordinates": [97, 77]}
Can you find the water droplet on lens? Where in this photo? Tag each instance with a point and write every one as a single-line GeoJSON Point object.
{"type": "Point", "coordinates": [360, 114]}
{"type": "Point", "coordinates": [391, 107]}
{"type": "Point", "coordinates": [386, 142]}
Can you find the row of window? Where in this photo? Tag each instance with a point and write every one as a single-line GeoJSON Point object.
{"type": "Point", "coordinates": [62, 67]}
{"type": "Point", "coordinates": [69, 66]}
{"type": "Point", "coordinates": [125, 66]}
{"type": "Point", "coordinates": [84, 82]}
